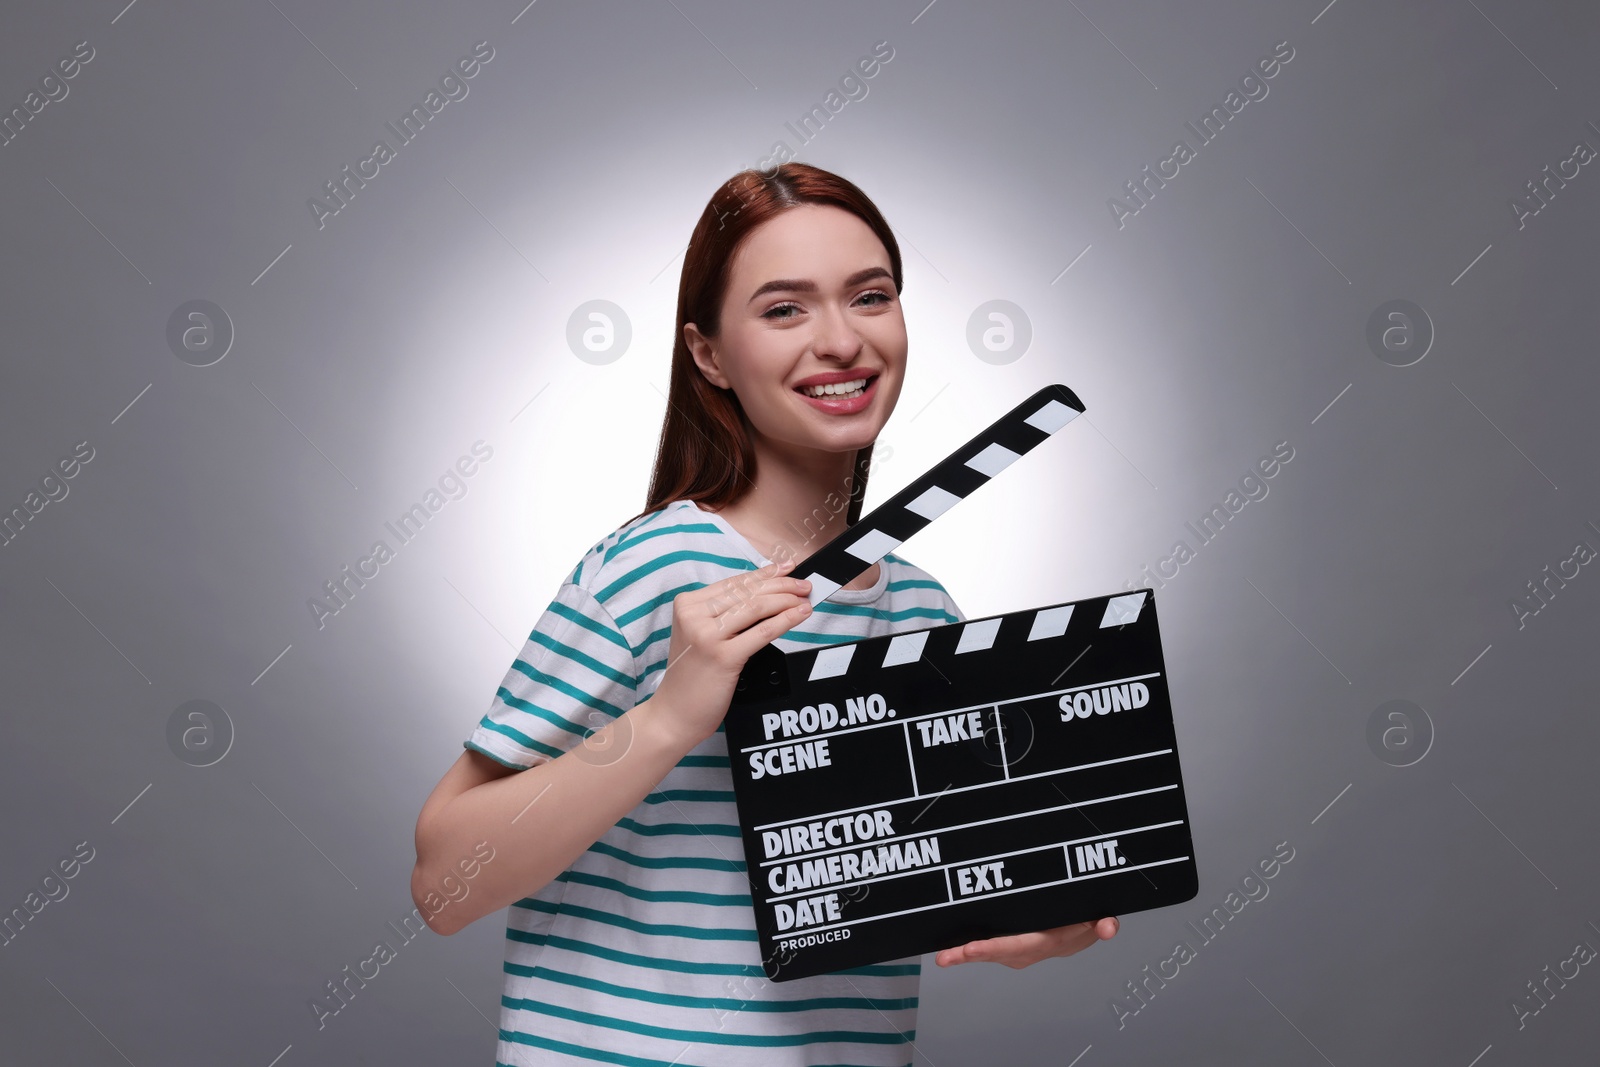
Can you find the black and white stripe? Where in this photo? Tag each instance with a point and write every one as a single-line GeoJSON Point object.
{"type": "Point", "coordinates": [883, 529]}
{"type": "Point", "coordinates": [974, 635]}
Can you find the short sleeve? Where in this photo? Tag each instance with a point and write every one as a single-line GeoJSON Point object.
{"type": "Point", "coordinates": [960, 615]}
{"type": "Point", "coordinates": [575, 674]}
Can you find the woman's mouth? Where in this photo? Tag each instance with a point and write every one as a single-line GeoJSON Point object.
{"type": "Point", "coordinates": [841, 398]}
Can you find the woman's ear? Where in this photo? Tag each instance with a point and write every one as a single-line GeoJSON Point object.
{"type": "Point", "coordinates": [705, 356]}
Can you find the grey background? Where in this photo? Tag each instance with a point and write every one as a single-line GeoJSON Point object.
{"type": "Point", "coordinates": [431, 312]}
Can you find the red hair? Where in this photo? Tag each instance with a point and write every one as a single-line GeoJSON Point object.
{"type": "Point", "coordinates": [705, 452]}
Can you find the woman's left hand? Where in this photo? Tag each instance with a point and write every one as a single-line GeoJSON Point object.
{"type": "Point", "coordinates": [1024, 950]}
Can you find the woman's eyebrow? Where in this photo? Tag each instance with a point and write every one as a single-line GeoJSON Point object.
{"type": "Point", "coordinates": [806, 285]}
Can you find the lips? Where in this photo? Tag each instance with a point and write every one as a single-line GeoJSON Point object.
{"type": "Point", "coordinates": [833, 377]}
{"type": "Point", "coordinates": [835, 405]}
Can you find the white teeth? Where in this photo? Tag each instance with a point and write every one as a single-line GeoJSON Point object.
{"type": "Point", "coordinates": [844, 390]}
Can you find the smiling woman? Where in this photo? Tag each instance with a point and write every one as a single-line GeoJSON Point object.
{"type": "Point", "coordinates": [600, 772]}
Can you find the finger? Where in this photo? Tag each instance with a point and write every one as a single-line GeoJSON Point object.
{"type": "Point", "coordinates": [749, 612]}
{"type": "Point", "coordinates": [763, 633]}
{"type": "Point", "coordinates": [994, 949]}
{"type": "Point", "coordinates": [719, 596]}
{"type": "Point", "coordinates": [734, 600]}
{"type": "Point", "coordinates": [1035, 945]}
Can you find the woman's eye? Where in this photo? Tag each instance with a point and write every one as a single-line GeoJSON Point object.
{"type": "Point", "coordinates": [882, 296]}
{"type": "Point", "coordinates": [772, 312]}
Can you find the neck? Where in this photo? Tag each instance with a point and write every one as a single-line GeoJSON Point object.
{"type": "Point", "coordinates": [799, 501]}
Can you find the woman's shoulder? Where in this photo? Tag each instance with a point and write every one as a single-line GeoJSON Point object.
{"type": "Point", "coordinates": [643, 547]}
{"type": "Point", "coordinates": [907, 581]}
{"type": "Point", "coordinates": [904, 570]}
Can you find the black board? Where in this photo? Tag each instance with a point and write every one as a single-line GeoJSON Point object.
{"type": "Point", "coordinates": [910, 792]}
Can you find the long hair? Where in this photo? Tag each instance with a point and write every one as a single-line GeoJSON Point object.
{"type": "Point", "coordinates": [705, 453]}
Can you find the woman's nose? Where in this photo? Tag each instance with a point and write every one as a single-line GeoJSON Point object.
{"type": "Point", "coordinates": [835, 336]}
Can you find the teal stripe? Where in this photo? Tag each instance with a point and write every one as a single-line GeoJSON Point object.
{"type": "Point", "coordinates": [551, 717]}
{"type": "Point", "coordinates": [699, 863]}
{"type": "Point", "coordinates": [885, 970]}
{"type": "Point", "coordinates": [917, 583]}
{"type": "Point", "coordinates": [710, 796]}
{"type": "Point", "coordinates": [699, 933]}
{"type": "Point", "coordinates": [567, 688]}
{"type": "Point", "coordinates": [589, 624]}
{"type": "Point", "coordinates": [705, 761]}
{"type": "Point", "coordinates": [632, 959]}
{"type": "Point", "coordinates": [834, 639]}
{"type": "Point", "coordinates": [662, 896]}
{"type": "Point", "coordinates": [602, 1056]}
{"type": "Point", "coordinates": [679, 829]}
{"type": "Point", "coordinates": [709, 1037]}
{"type": "Point", "coordinates": [826, 607]}
{"type": "Point", "coordinates": [581, 1052]}
{"type": "Point", "coordinates": [660, 635]}
{"type": "Point", "coordinates": [572, 655]}
{"type": "Point", "coordinates": [725, 1003]}
{"type": "Point", "coordinates": [667, 559]}
{"type": "Point", "coordinates": [682, 527]}
{"type": "Point", "coordinates": [616, 536]}
{"type": "Point", "coordinates": [829, 608]}
{"type": "Point", "coordinates": [520, 738]}
{"type": "Point", "coordinates": [636, 613]}
{"type": "Point", "coordinates": [474, 746]}
{"type": "Point", "coordinates": [622, 1059]}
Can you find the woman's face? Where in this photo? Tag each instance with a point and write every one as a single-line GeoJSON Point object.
{"type": "Point", "coordinates": [810, 299]}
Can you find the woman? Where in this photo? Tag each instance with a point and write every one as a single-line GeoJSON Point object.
{"type": "Point", "coordinates": [599, 776]}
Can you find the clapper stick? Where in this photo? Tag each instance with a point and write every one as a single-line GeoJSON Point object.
{"type": "Point", "coordinates": [908, 792]}
{"type": "Point", "coordinates": [882, 530]}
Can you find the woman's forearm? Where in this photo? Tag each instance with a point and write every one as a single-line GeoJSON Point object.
{"type": "Point", "coordinates": [539, 820]}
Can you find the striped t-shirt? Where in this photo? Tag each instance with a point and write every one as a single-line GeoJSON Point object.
{"type": "Point", "coordinates": [644, 951]}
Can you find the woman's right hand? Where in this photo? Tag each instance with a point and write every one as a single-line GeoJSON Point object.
{"type": "Point", "coordinates": [715, 629]}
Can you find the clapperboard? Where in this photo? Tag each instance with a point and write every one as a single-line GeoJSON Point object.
{"type": "Point", "coordinates": [902, 794]}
